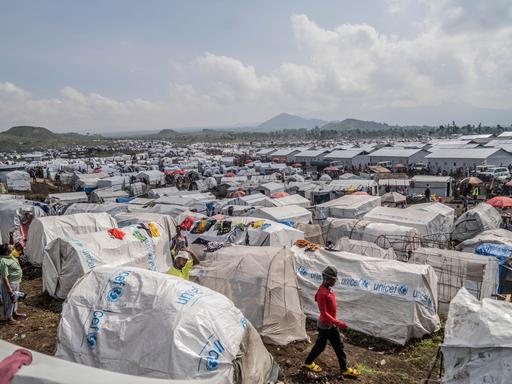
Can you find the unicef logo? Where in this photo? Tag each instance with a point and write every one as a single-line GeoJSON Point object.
{"type": "Point", "coordinates": [114, 294]}
{"type": "Point", "coordinates": [302, 270]}
{"type": "Point", "coordinates": [243, 322]}
{"type": "Point", "coordinates": [402, 290]}
{"type": "Point", "coordinates": [211, 363]}
{"type": "Point", "coordinates": [365, 283]}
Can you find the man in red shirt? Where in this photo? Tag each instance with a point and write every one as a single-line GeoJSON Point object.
{"type": "Point", "coordinates": [328, 326]}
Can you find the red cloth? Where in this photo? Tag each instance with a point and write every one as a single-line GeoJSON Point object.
{"type": "Point", "coordinates": [116, 233]}
{"type": "Point", "coordinates": [326, 300]}
{"type": "Point", "coordinates": [187, 223]}
{"type": "Point", "coordinates": [12, 364]}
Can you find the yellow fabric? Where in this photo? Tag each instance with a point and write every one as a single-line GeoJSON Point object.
{"type": "Point", "coordinates": [183, 273]}
{"type": "Point", "coordinates": [154, 230]}
{"type": "Point", "coordinates": [257, 224]}
{"type": "Point", "coordinates": [14, 253]}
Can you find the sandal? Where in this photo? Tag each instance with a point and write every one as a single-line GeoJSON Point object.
{"type": "Point", "coordinates": [351, 373]}
{"type": "Point", "coordinates": [313, 367]}
{"type": "Point", "coordinates": [19, 316]}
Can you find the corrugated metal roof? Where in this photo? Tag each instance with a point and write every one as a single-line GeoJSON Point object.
{"type": "Point", "coordinates": [313, 153]}
{"type": "Point", "coordinates": [505, 134]}
{"type": "Point", "coordinates": [395, 152]}
{"type": "Point", "coordinates": [284, 152]}
{"type": "Point", "coordinates": [463, 153]}
{"type": "Point", "coordinates": [344, 154]}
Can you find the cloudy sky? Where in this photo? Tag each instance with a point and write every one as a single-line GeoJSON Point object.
{"type": "Point", "coordinates": [122, 65]}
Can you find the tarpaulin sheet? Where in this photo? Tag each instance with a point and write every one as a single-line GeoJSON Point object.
{"type": "Point", "coordinates": [383, 298]}
{"type": "Point", "coordinates": [69, 258]}
{"type": "Point", "coordinates": [477, 346]}
{"type": "Point", "coordinates": [143, 323]}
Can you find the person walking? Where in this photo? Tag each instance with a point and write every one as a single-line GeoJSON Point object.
{"type": "Point", "coordinates": [328, 326]}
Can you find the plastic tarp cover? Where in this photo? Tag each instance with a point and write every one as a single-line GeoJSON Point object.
{"type": "Point", "coordinates": [45, 229]}
{"type": "Point", "coordinates": [46, 369]}
{"type": "Point", "coordinates": [17, 181]}
{"type": "Point", "coordinates": [292, 213]}
{"type": "Point", "coordinates": [69, 258]}
{"type": "Point", "coordinates": [455, 270]}
{"type": "Point", "coordinates": [149, 324]}
{"type": "Point", "coordinates": [481, 218]}
{"type": "Point", "coordinates": [312, 232]}
{"type": "Point", "coordinates": [261, 282]}
{"type": "Point", "coordinates": [365, 248]}
{"type": "Point", "coordinates": [67, 197]}
{"type": "Point", "coordinates": [112, 209]}
{"type": "Point", "coordinates": [402, 239]}
{"type": "Point", "coordinates": [429, 221]}
{"type": "Point", "coordinates": [477, 344]}
{"type": "Point", "coordinates": [347, 207]}
{"type": "Point", "coordinates": [294, 200]}
{"type": "Point", "coordinates": [495, 236]}
{"type": "Point", "coordinates": [383, 298]}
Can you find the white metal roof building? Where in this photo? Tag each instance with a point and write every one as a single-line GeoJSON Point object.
{"type": "Point", "coordinates": [310, 156]}
{"type": "Point", "coordinates": [450, 160]}
{"type": "Point", "coordinates": [398, 155]}
{"type": "Point", "coordinates": [350, 157]}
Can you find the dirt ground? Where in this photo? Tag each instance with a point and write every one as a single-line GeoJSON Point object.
{"type": "Point", "coordinates": [380, 362]}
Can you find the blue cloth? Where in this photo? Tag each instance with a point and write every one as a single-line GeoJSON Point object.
{"type": "Point", "coordinates": [124, 199]}
{"type": "Point", "coordinates": [287, 222]}
{"type": "Point", "coordinates": [501, 252]}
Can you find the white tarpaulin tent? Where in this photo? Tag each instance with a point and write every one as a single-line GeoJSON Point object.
{"type": "Point", "coordinates": [110, 321]}
{"type": "Point", "coordinates": [402, 239]}
{"type": "Point", "coordinates": [46, 369]}
{"type": "Point", "coordinates": [383, 298]}
{"type": "Point", "coordinates": [291, 213]}
{"type": "Point", "coordinates": [261, 282]}
{"type": "Point", "coordinates": [69, 258]}
{"type": "Point", "coordinates": [477, 344]}
{"type": "Point", "coordinates": [17, 181]}
{"type": "Point", "coordinates": [494, 236]}
{"type": "Point", "coordinates": [365, 248]}
{"type": "Point", "coordinates": [152, 177]}
{"type": "Point", "coordinates": [45, 229]}
{"type": "Point", "coordinates": [112, 209]}
{"type": "Point", "coordinates": [107, 195]}
{"type": "Point", "coordinates": [294, 200]}
{"type": "Point", "coordinates": [481, 218]}
{"type": "Point", "coordinates": [429, 221]}
{"type": "Point", "coordinates": [347, 207]}
{"type": "Point", "coordinates": [67, 197]}
{"type": "Point", "coordinates": [454, 270]}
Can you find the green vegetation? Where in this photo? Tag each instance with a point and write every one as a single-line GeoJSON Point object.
{"type": "Point", "coordinates": [27, 138]}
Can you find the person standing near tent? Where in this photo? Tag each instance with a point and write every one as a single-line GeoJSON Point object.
{"type": "Point", "coordinates": [475, 193]}
{"type": "Point", "coordinates": [328, 326]}
{"type": "Point", "coordinates": [10, 275]}
{"type": "Point", "coordinates": [183, 258]}
{"type": "Point", "coordinates": [428, 193]}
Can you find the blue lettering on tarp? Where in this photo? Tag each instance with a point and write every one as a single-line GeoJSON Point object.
{"type": "Point", "coordinates": [243, 322]}
{"type": "Point", "coordinates": [94, 328]}
{"type": "Point", "coordinates": [188, 294]}
{"type": "Point", "coordinates": [84, 252]}
{"type": "Point", "coordinates": [302, 270]}
{"type": "Point", "coordinates": [119, 282]}
{"type": "Point", "coordinates": [423, 298]}
{"type": "Point", "coordinates": [211, 353]}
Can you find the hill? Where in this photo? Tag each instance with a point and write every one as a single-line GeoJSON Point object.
{"type": "Point", "coordinates": [287, 121]}
{"type": "Point", "coordinates": [27, 131]}
{"type": "Point", "coordinates": [362, 125]}
{"type": "Point", "coordinates": [28, 137]}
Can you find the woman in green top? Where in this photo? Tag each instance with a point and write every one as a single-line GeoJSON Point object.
{"type": "Point", "coordinates": [10, 276]}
